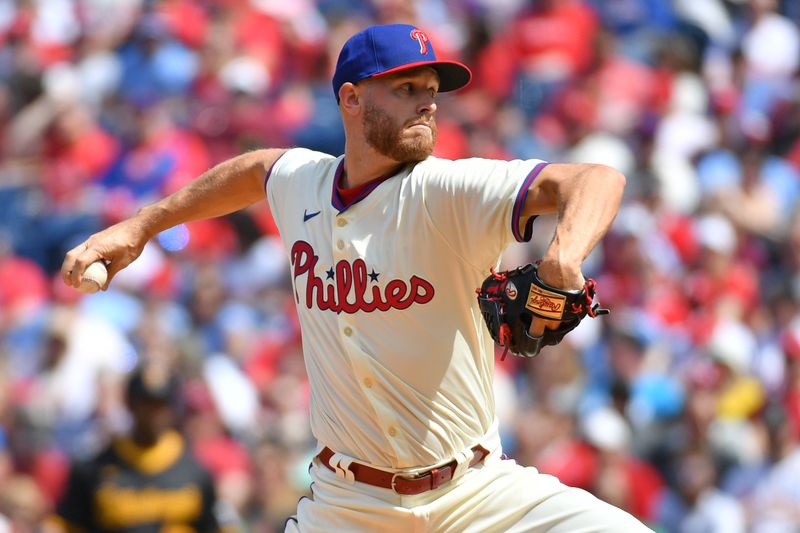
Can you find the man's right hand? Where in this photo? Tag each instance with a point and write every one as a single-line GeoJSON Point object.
{"type": "Point", "coordinates": [118, 246]}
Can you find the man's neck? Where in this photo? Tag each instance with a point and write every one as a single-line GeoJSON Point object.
{"type": "Point", "coordinates": [364, 165]}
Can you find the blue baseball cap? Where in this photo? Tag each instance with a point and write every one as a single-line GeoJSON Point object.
{"type": "Point", "coordinates": [389, 48]}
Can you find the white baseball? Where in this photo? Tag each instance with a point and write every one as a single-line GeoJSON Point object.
{"type": "Point", "coordinates": [94, 277]}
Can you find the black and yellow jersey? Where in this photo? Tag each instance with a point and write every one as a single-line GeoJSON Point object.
{"type": "Point", "coordinates": [160, 489]}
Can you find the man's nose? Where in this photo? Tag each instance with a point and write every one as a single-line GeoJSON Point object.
{"type": "Point", "coordinates": [427, 106]}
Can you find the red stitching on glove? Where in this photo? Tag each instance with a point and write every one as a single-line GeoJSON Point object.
{"type": "Point", "coordinates": [589, 287]}
{"type": "Point", "coordinates": [499, 276]}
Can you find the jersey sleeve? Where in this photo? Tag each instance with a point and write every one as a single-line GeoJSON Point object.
{"type": "Point", "coordinates": [294, 164]}
{"type": "Point", "coordinates": [476, 204]}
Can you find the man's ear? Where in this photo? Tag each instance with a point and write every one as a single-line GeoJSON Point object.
{"type": "Point", "coordinates": [349, 99]}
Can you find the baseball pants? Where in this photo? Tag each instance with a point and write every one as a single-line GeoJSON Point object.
{"type": "Point", "coordinates": [495, 496]}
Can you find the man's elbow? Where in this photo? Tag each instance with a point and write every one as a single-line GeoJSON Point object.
{"type": "Point", "coordinates": [610, 176]}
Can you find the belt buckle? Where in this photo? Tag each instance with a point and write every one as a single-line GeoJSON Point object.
{"type": "Point", "coordinates": [394, 481]}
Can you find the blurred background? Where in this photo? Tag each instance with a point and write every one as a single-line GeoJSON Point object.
{"type": "Point", "coordinates": [682, 407]}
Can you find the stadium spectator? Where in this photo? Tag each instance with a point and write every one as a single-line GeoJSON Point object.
{"type": "Point", "coordinates": [147, 480]}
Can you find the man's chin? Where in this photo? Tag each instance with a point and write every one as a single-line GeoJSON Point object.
{"type": "Point", "coordinates": [413, 155]}
{"type": "Point", "coordinates": [417, 148]}
{"type": "Point", "coordinates": [406, 150]}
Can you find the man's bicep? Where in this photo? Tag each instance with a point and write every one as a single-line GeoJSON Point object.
{"type": "Point", "coordinates": [542, 196]}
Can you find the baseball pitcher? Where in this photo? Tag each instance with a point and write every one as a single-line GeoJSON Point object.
{"type": "Point", "coordinates": [387, 246]}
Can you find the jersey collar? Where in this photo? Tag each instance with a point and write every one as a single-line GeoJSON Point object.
{"type": "Point", "coordinates": [355, 195]}
{"type": "Point", "coordinates": [157, 458]}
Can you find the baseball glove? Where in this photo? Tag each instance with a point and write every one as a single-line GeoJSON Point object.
{"type": "Point", "coordinates": [509, 300]}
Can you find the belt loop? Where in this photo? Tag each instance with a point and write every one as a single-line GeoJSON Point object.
{"type": "Point", "coordinates": [333, 462]}
{"type": "Point", "coordinates": [344, 464]}
{"type": "Point", "coordinates": [462, 463]}
{"type": "Point", "coordinates": [341, 465]}
{"type": "Point", "coordinates": [435, 481]}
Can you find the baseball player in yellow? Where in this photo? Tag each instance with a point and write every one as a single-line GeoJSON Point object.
{"type": "Point", "coordinates": [387, 245]}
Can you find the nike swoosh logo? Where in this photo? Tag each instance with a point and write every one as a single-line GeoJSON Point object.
{"type": "Point", "coordinates": [308, 216]}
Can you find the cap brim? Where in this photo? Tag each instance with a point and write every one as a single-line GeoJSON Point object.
{"type": "Point", "coordinates": [452, 74]}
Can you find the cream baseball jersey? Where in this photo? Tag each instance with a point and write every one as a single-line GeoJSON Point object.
{"type": "Point", "coordinates": [399, 361]}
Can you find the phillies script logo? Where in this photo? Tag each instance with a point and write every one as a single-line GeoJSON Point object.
{"type": "Point", "coordinates": [351, 280]}
{"type": "Point", "coordinates": [422, 38]}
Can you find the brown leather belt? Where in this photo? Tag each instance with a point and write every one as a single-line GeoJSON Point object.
{"type": "Point", "coordinates": [406, 485]}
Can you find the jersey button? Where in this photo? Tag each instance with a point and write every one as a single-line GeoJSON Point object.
{"type": "Point", "coordinates": [341, 222]}
{"type": "Point", "coordinates": [340, 244]}
{"type": "Point", "coordinates": [392, 431]}
{"type": "Point", "coordinates": [368, 383]}
{"type": "Point", "coordinates": [348, 331]}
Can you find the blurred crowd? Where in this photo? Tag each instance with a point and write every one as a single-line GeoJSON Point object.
{"type": "Point", "coordinates": [682, 406]}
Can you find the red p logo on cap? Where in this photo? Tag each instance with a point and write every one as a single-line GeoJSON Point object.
{"type": "Point", "coordinates": [420, 36]}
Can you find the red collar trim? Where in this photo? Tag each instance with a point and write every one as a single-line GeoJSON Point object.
{"type": "Point", "coordinates": [342, 198]}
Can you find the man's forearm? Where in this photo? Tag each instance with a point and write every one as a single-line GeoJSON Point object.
{"type": "Point", "coordinates": [587, 205]}
{"type": "Point", "coordinates": [228, 187]}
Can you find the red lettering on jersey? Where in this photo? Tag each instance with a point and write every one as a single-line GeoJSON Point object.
{"type": "Point", "coordinates": [420, 36]}
{"type": "Point", "coordinates": [351, 283]}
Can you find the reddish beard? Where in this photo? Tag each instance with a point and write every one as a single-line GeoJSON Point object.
{"type": "Point", "coordinates": [384, 134]}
